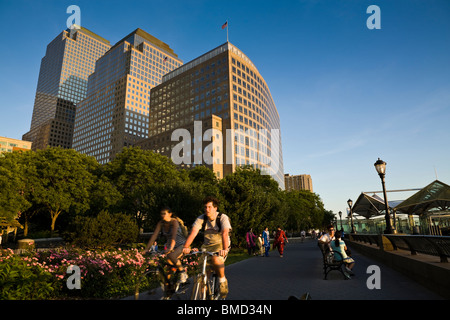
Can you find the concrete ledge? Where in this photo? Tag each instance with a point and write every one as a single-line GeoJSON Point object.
{"type": "Point", "coordinates": [424, 269]}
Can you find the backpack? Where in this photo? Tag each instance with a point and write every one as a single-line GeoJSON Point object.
{"type": "Point", "coordinates": [217, 222]}
{"type": "Point", "coordinates": [184, 229]}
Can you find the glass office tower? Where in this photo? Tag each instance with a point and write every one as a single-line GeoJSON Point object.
{"type": "Point", "coordinates": [217, 110]}
{"type": "Point", "coordinates": [116, 110]}
{"type": "Point", "coordinates": [69, 60]}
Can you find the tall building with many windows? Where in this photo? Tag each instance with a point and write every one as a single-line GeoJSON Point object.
{"type": "Point", "coordinates": [216, 110]}
{"type": "Point", "coordinates": [298, 182]}
{"type": "Point", "coordinates": [116, 110]}
{"type": "Point", "coordinates": [69, 60]}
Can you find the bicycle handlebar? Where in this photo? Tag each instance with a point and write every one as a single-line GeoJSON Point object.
{"type": "Point", "coordinates": [203, 251]}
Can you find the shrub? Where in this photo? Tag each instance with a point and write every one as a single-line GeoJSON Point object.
{"type": "Point", "coordinates": [23, 278]}
{"type": "Point", "coordinates": [104, 274]}
{"type": "Point", "coordinates": [104, 231]}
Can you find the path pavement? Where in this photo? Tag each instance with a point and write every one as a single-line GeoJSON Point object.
{"type": "Point", "coordinates": [300, 271]}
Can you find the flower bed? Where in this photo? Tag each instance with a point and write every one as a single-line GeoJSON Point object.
{"type": "Point", "coordinates": [107, 274]}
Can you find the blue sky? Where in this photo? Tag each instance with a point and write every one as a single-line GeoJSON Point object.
{"type": "Point", "coordinates": [346, 95]}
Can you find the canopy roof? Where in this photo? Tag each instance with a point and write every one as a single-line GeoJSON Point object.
{"type": "Point", "coordinates": [435, 196]}
{"type": "Point", "coordinates": [370, 205]}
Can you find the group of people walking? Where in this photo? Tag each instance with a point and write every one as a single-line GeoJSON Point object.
{"type": "Point", "coordinates": [260, 245]}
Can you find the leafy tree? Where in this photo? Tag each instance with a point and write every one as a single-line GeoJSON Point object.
{"type": "Point", "coordinates": [15, 176]}
{"type": "Point", "coordinates": [103, 195]}
{"type": "Point", "coordinates": [65, 181]}
{"type": "Point", "coordinates": [306, 210]}
{"type": "Point", "coordinates": [251, 200]}
{"type": "Point", "coordinates": [138, 175]}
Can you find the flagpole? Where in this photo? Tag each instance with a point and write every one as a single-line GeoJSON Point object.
{"type": "Point", "coordinates": [227, 30]}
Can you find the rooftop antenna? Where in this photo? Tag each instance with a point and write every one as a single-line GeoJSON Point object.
{"type": "Point", "coordinates": [435, 172]}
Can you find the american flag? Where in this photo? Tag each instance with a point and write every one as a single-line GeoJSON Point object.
{"type": "Point", "coordinates": [225, 25]}
{"type": "Point", "coordinates": [165, 59]}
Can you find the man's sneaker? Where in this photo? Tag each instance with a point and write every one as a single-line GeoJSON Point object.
{"type": "Point", "coordinates": [223, 289]}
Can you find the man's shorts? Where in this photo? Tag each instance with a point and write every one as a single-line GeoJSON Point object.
{"type": "Point", "coordinates": [214, 248]}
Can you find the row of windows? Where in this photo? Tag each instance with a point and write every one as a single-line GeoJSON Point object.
{"type": "Point", "coordinates": [164, 61]}
{"type": "Point", "coordinates": [259, 83]}
{"type": "Point", "coordinates": [10, 144]}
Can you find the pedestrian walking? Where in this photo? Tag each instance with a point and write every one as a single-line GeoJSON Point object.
{"type": "Point", "coordinates": [250, 237]}
{"type": "Point", "coordinates": [266, 241]}
{"type": "Point", "coordinates": [279, 242]}
{"type": "Point", "coordinates": [260, 245]}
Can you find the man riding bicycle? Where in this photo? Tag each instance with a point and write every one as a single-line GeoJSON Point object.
{"type": "Point", "coordinates": [216, 227]}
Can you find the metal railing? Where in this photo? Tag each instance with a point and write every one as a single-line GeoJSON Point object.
{"type": "Point", "coordinates": [432, 245]}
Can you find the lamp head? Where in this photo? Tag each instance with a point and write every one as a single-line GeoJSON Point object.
{"type": "Point", "coordinates": [380, 166]}
{"type": "Point", "coordinates": [350, 203]}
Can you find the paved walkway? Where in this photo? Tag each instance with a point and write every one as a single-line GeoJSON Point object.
{"type": "Point", "coordinates": [300, 271]}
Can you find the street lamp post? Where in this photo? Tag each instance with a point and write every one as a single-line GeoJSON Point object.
{"type": "Point", "coordinates": [380, 166]}
{"type": "Point", "coordinates": [340, 218]}
{"type": "Point", "coordinates": [350, 203]}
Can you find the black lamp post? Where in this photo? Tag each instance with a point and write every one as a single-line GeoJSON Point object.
{"type": "Point", "coordinates": [380, 166]}
{"type": "Point", "coordinates": [340, 218]}
{"type": "Point", "coordinates": [350, 203]}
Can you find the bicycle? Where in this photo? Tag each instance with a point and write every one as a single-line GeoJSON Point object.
{"type": "Point", "coordinates": [168, 278]}
{"type": "Point", "coordinates": [204, 287]}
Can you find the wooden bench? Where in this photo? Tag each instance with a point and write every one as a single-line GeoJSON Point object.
{"type": "Point", "coordinates": [330, 263]}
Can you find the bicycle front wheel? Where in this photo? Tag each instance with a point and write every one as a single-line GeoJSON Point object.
{"type": "Point", "coordinates": [199, 289]}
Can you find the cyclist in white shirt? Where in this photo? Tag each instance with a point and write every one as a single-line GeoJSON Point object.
{"type": "Point", "coordinates": [216, 227]}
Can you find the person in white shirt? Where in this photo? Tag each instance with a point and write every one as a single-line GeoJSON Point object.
{"type": "Point", "coordinates": [325, 239]}
{"type": "Point", "coordinates": [216, 228]}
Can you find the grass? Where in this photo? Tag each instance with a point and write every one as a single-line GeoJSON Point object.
{"type": "Point", "coordinates": [236, 255]}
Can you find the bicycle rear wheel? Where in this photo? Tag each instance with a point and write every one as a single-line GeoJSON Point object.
{"type": "Point", "coordinates": [199, 288]}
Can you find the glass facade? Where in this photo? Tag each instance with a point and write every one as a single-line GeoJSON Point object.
{"type": "Point", "coordinates": [225, 84]}
{"type": "Point", "coordinates": [69, 60]}
{"type": "Point", "coordinates": [115, 113]}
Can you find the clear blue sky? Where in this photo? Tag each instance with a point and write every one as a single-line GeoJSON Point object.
{"type": "Point", "coordinates": [346, 95]}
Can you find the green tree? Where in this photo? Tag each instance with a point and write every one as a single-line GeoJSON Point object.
{"type": "Point", "coordinates": [138, 175]}
{"type": "Point", "coordinates": [65, 181]}
{"type": "Point", "coordinates": [251, 200]}
{"type": "Point", "coordinates": [15, 185]}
